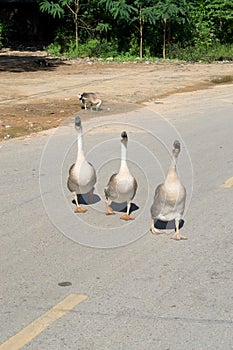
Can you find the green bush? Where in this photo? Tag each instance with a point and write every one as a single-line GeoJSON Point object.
{"type": "Point", "coordinates": [97, 48]}
{"type": "Point", "coordinates": [195, 53]}
{"type": "Point", "coordinates": [4, 31]}
{"type": "Point", "coordinates": [92, 48]}
{"type": "Point", "coordinates": [54, 49]}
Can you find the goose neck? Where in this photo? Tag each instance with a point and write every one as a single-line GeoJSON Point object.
{"type": "Point", "coordinates": [172, 172]}
{"type": "Point", "coordinates": [123, 156]}
{"type": "Point", "coordinates": [80, 144]}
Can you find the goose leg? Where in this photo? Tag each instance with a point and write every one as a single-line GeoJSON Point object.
{"type": "Point", "coordinates": [90, 196]}
{"type": "Point", "coordinates": [78, 208]}
{"type": "Point", "coordinates": [177, 236]}
{"type": "Point", "coordinates": [127, 216]}
{"type": "Point", "coordinates": [108, 209]}
{"type": "Point", "coordinates": [153, 229]}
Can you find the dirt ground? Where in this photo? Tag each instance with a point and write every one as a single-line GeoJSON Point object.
{"type": "Point", "coordinates": [38, 92]}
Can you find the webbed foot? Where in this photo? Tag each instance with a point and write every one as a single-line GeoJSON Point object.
{"type": "Point", "coordinates": [177, 236]}
{"type": "Point", "coordinates": [109, 211]}
{"type": "Point", "coordinates": [154, 230]}
{"type": "Point", "coordinates": [80, 210]}
{"type": "Point", "coordinates": [127, 217]}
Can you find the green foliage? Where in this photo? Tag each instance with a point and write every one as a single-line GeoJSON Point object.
{"type": "Point", "coordinates": [203, 28]}
{"type": "Point", "coordinates": [103, 27]}
{"type": "Point", "coordinates": [54, 9]}
{"type": "Point", "coordinates": [95, 48]}
{"type": "Point", "coordinates": [119, 9]}
{"type": "Point", "coordinates": [221, 10]}
{"type": "Point", "coordinates": [91, 48]}
{"type": "Point", "coordinates": [221, 14]}
{"type": "Point", "coordinates": [54, 49]}
{"type": "Point", "coordinates": [58, 9]}
{"type": "Point", "coordinates": [127, 29]}
{"type": "Point", "coordinates": [199, 53]}
{"type": "Point", "coordinates": [135, 13]}
{"type": "Point", "coordinates": [172, 10]}
{"type": "Point", "coordinates": [5, 30]}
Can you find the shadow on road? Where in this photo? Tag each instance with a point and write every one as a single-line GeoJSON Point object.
{"type": "Point", "coordinates": [21, 64]}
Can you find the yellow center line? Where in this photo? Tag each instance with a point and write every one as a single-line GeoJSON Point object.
{"type": "Point", "coordinates": [41, 323]}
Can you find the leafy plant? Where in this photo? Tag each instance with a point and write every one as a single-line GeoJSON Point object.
{"type": "Point", "coordinates": [200, 53]}
{"type": "Point", "coordinates": [54, 49]}
{"type": "Point", "coordinates": [136, 13]}
{"type": "Point", "coordinates": [168, 12]}
{"type": "Point", "coordinates": [5, 29]}
{"type": "Point", "coordinates": [58, 9]}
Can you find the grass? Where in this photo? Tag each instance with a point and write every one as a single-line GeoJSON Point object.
{"type": "Point", "coordinates": [109, 52]}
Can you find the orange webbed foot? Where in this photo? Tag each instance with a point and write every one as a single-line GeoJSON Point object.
{"type": "Point", "coordinates": [80, 210]}
{"type": "Point", "coordinates": [127, 217]}
{"type": "Point", "coordinates": [109, 211]}
{"type": "Point", "coordinates": [177, 236]}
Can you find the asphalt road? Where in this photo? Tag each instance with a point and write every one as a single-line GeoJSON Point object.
{"type": "Point", "coordinates": [140, 291]}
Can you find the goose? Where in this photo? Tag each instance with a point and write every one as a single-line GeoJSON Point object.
{"type": "Point", "coordinates": [82, 174]}
{"type": "Point", "coordinates": [122, 186]}
{"type": "Point", "coordinates": [89, 99]}
{"type": "Point", "coordinates": [169, 198]}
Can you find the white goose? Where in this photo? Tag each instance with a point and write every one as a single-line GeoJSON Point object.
{"type": "Point", "coordinates": [169, 198]}
{"type": "Point", "coordinates": [122, 186]}
{"type": "Point", "coordinates": [82, 175]}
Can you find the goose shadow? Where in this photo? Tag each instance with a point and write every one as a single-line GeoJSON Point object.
{"type": "Point", "coordinates": [167, 225]}
{"type": "Point", "coordinates": [83, 199]}
{"type": "Point", "coordinates": [122, 207]}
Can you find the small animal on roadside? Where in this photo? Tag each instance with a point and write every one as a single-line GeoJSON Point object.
{"type": "Point", "coordinates": [169, 198]}
{"type": "Point", "coordinates": [122, 186]}
{"type": "Point", "coordinates": [82, 174]}
{"type": "Point", "coordinates": [89, 99]}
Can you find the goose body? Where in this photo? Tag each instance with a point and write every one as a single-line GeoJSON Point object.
{"type": "Point", "coordinates": [122, 186]}
{"type": "Point", "coordinates": [169, 198]}
{"type": "Point", "coordinates": [82, 174]}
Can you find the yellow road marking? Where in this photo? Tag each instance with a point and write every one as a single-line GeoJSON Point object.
{"type": "Point", "coordinates": [228, 183]}
{"type": "Point", "coordinates": [36, 327]}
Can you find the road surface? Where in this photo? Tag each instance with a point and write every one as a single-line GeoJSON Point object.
{"type": "Point", "coordinates": [120, 286]}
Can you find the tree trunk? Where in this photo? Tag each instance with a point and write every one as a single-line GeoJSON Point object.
{"type": "Point", "coordinates": [141, 30]}
{"type": "Point", "coordinates": [76, 23]}
{"type": "Point", "coordinates": [76, 30]}
{"type": "Point", "coordinates": [164, 37]}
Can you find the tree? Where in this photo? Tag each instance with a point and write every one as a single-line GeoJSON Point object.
{"type": "Point", "coordinates": [221, 13]}
{"type": "Point", "coordinates": [168, 12]}
{"type": "Point", "coordinates": [145, 13]}
{"type": "Point", "coordinates": [136, 13]}
{"type": "Point", "coordinates": [58, 9]}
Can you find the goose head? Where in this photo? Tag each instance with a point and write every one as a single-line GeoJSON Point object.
{"type": "Point", "coordinates": [124, 138]}
{"type": "Point", "coordinates": [78, 123]}
{"type": "Point", "coordinates": [176, 148]}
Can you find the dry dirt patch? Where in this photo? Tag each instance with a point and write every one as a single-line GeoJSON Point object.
{"type": "Point", "coordinates": [38, 92]}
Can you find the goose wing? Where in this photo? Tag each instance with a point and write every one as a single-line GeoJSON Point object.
{"type": "Point", "coordinates": [94, 177]}
{"type": "Point", "coordinates": [71, 183]}
{"type": "Point", "coordinates": [135, 186]}
{"type": "Point", "coordinates": [159, 201]}
{"type": "Point", "coordinates": [111, 189]}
